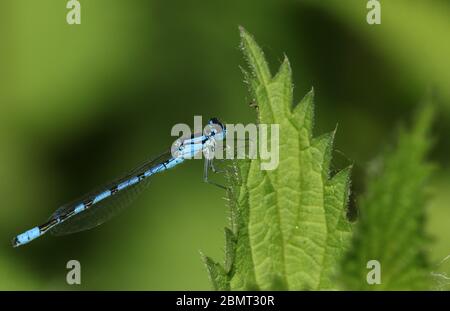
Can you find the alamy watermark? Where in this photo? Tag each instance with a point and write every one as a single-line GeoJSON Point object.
{"type": "Point", "coordinates": [74, 275]}
{"type": "Point", "coordinates": [374, 15]}
{"type": "Point", "coordinates": [374, 275]}
{"type": "Point", "coordinates": [73, 17]}
{"type": "Point", "coordinates": [228, 141]}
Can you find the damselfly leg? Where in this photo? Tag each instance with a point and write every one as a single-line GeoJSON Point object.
{"type": "Point", "coordinates": [209, 165]}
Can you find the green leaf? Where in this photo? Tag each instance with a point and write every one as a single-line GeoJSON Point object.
{"type": "Point", "coordinates": [391, 223]}
{"type": "Point", "coordinates": [217, 275]}
{"type": "Point", "coordinates": [288, 225]}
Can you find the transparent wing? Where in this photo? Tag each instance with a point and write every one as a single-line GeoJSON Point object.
{"type": "Point", "coordinates": [104, 210]}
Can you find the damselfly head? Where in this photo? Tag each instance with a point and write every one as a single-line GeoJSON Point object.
{"type": "Point", "coordinates": [217, 122]}
{"type": "Point", "coordinates": [215, 128]}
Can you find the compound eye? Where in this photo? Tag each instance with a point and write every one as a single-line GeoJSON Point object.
{"type": "Point", "coordinates": [214, 121]}
{"type": "Point", "coordinates": [212, 129]}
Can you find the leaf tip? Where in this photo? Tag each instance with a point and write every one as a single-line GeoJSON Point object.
{"type": "Point", "coordinates": [216, 273]}
{"type": "Point", "coordinates": [310, 95]}
{"type": "Point", "coordinates": [286, 60]}
{"type": "Point", "coordinates": [254, 56]}
{"type": "Point", "coordinates": [241, 29]}
{"type": "Point", "coordinates": [336, 128]}
{"type": "Point", "coordinates": [244, 34]}
{"type": "Point", "coordinates": [285, 67]}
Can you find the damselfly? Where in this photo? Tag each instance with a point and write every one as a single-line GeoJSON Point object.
{"type": "Point", "coordinates": [99, 206]}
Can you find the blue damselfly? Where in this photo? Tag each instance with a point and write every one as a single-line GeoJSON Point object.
{"type": "Point", "coordinates": [99, 206]}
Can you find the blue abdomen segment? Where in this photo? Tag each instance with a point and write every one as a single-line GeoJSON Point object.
{"type": "Point", "coordinates": [127, 183]}
{"type": "Point", "coordinates": [102, 196]}
{"type": "Point", "coordinates": [79, 208]}
{"type": "Point", "coordinates": [174, 162]}
{"type": "Point", "coordinates": [27, 236]}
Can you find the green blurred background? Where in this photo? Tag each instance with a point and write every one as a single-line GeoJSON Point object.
{"type": "Point", "coordinates": [81, 104]}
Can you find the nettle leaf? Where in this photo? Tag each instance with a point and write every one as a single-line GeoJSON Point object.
{"type": "Point", "coordinates": [288, 225]}
{"type": "Point", "coordinates": [391, 223]}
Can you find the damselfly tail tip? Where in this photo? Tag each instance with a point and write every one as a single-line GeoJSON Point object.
{"type": "Point", "coordinates": [26, 237]}
{"type": "Point", "coordinates": [15, 242]}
